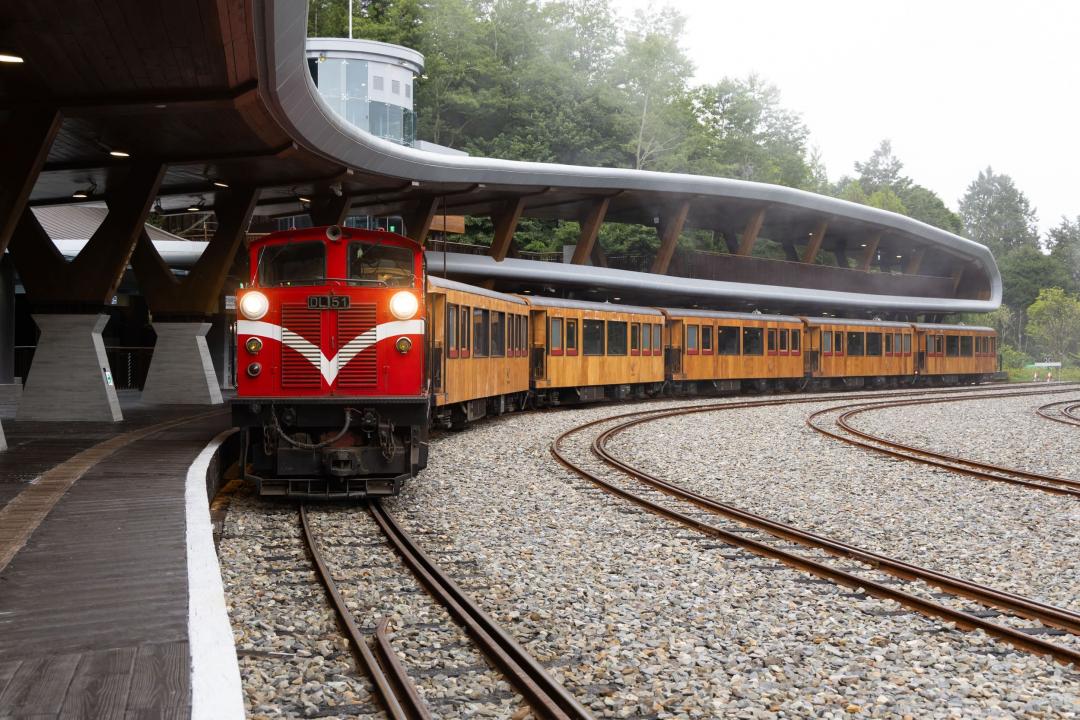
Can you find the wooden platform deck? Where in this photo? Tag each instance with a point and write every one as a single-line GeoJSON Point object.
{"type": "Point", "coordinates": [94, 598]}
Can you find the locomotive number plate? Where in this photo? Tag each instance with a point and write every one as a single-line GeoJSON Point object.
{"type": "Point", "coordinates": [328, 302]}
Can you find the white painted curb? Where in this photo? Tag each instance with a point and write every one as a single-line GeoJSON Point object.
{"type": "Point", "coordinates": [216, 692]}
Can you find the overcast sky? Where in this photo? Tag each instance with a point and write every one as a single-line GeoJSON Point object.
{"type": "Point", "coordinates": [956, 85]}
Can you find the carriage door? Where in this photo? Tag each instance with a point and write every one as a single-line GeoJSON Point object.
{"type": "Point", "coordinates": [538, 344]}
{"type": "Point", "coordinates": [920, 356]}
{"type": "Point", "coordinates": [812, 351]}
{"type": "Point", "coordinates": [673, 353]}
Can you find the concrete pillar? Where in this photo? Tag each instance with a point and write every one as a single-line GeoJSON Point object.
{"type": "Point", "coordinates": [181, 371]}
{"type": "Point", "coordinates": [70, 377]}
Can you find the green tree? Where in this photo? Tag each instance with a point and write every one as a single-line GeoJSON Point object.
{"type": "Point", "coordinates": [1054, 322]}
{"type": "Point", "coordinates": [1063, 241]}
{"type": "Point", "coordinates": [1024, 273]}
{"type": "Point", "coordinates": [882, 170]}
{"type": "Point", "coordinates": [995, 213]}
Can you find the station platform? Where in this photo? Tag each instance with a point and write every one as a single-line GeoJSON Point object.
{"type": "Point", "coordinates": [104, 538]}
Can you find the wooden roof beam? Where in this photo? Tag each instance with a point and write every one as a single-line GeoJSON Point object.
{"type": "Point", "coordinates": [750, 232]}
{"type": "Point", "coordinates": [418, 216]}
{"type": "Point", "coordinates": [506, 221]}
{"type": "Point", "coordinates": [670, 228]}
{"type": "Point", "coordinates": [590, 230]}
{"type": "Point", "coordinates": [914, 261]}
{"type": "Point", "coordinates": [813, 247]}
{"type": "Point", "coordinates": [869, 251]}
{"type": "Point", "coordinates": [28, 136]}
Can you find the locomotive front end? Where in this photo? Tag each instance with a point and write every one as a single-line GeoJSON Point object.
{"type": "Point", "coordinates": [332, 384]}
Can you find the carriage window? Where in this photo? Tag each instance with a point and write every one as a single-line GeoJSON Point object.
{"type": "Point", "coordinates": [706, 339]}
{"type": "Point", "coordinates": [464, 332]}
{"type": "Point", "coordinates": [481, 328]}
{"type": "Point", "coordinates": [838, 343]}
{"type": "Point", "coordinates": [646, 338]}
{"type": "Point", "coordinates": [571, 337]}
{"type": "Point", "coordinates": [826, 343]}
{"type": "Point", "coordinates": [616, 338]}
{"type": "Point", "coordinates": [555, 341]}
{"type": "Point", "coordinates": [692, 339]}
{"type": "Point", "coordinates": [727, 340]}
{"type": "Point", "coordinates": [498, 334]}
{"type": "Point", "coordinates": [952, 346]}
{"type": "Point", "coordinates": [896, 343]}
{"type": "Point", "coordinates": [753, 341]}
{"type": "Point", "coordinates": [993, 341]}
{"type": "Point", "coordinates": [592, 337]}
{"type": "Point", "coordinates": [907, 344]}
{"type": "Point", "coordinates": [390, 265]}
{"type": "Point", "coordinates": [873, 343]}
{"type": "Point", "coordinates": [635, 339]}
{"type": "Point", "coordinates": [657, 340]}
{"type": "Point", "coordinates": [451, 330]}
{"type": "Point", "coordinates": [855, 343]}
{"type": "Point", "coordinates": [888, 343]}
{"type": "Point", "coordinates": [292, 264]}
{"type": "Point", "coordinates": [772, 342]}
{"type": "Point", "coordinates": [783, 341]}
{"type": "Point", "coordinates": [796, 341]}
{"type": "Point", "coordinates": [965, 345]}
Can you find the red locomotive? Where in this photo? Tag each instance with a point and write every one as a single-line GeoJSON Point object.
{"type": "Point", "coordinates": [332, 387]}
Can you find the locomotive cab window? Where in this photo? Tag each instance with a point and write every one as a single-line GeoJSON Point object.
{"type": "Point", "coordinates": [616, 337]}
{"type": "Point", "coordinates": [481, 328]}
{"type": "Point", "coordinates": [965, 345]}
{"type": "Point", "coordinates": [389, 265]}
{"type": "Point", "coordinates": [952, 346]}
{"type": "Point", "coordinates": [571, 337]}
{"type": "Point", "coordinates": [451, 330]}
{"type": "Point", "coordinates": [592, 337]}
{"type": "Point", "coordinates": [855, 344]}
{"type": "Point", "coordinates": [498, 334]}
{"type": "Point", "coordinates": [873, 344]}
{"type": "Point", "coordinates": [727, 340]}
{"type": "Point", "coordinates": [302, 263]}
{"type": "Point", "coordinates": [753, 341]}
{"type": "Point", "coordinates": [555, 338]}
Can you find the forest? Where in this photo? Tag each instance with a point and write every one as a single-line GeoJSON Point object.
{"type": "Point", "coordinates": [570, 81]}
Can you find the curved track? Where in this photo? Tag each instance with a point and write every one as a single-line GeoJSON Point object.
{"type": "Point", "coordinates": [1066, 412]}
{"type": "Point", "coordinates": [990, 601]}
{"type": "Point", "coordinates": [973, 468]}
{"type": "Point", "coordinates": [545, 695]}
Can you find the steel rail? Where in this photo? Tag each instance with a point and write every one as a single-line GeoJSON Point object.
{"type": "Point", "coordinates": [1066, 415]}
{"type": "Point", "coordinates": [1018, 604]}
{"type": "Point", "coordinates": [927, 607]}
{"type": "Point", "coordinates": [547, 697]}
{"type": "Point", "coordinates": [413, 707]}
{"type": "Point", "coordinates": [953, 463]}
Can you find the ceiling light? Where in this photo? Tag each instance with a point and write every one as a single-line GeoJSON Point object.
{"type": "Point", "coordinates": [303, 199]}
{"type": "Point", "coordinates": [84, 193]}
{"type": "Point", "coordinates": [899, 256]}
{"type": "Point", "coordinates": [119, 153]}
{"type": "Point", "coordinates": [218, 183]}
{"type": "Point", "coordinates": [9, 58]}
{"type": "Point", "coordinates": [199, 206]}
{"type": "Point", "coordinates": [863, 245]}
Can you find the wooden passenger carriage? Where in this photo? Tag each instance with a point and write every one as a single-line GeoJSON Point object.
{"type": "Point", "coordinates": [479, 350]}
{"type": "Point", "coordinates": [856, 350]}
{"type": "Point", "coordinates": [722, 349]}
{"type": "Point", "coordinates": [589, 351]}
{"type": "Point", "coordinates": [956, 353]}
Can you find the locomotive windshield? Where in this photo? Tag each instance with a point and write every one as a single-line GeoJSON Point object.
{"type": "Point", "coordinates": [292, 264]}
{"type": "Point", "coordinates": [376, 263]}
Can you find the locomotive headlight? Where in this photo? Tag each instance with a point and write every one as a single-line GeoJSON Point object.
{"type": "Point", "coordinates": [254, 305]}
{"type": "Point", "coordinates": [403, 305]}
{"type": "Point", "coordinates": [254, 369]}
{"type": "Point", "coordinates": [253, 345]}
{"type": "Point", "coordinates": [403, 344]}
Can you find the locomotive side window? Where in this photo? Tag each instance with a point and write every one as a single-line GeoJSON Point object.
{"type": "Point", "coordinates": [498, 334]}
{"type": "Point", "coordinates": [706, 339]}
{"type": "Point", "coordinates": [555, 339]}
{"type": "Point", "coordinates": [635, 338]}
{"type": "Point", "coordinates": [753, 341]}
{"type": "Point", "coordinates": [389, 265]}
{"type": "Point", "coordinates": [772, 342]}
{"type": "Point", "coordinates": [727, 340]}
{"type": "Point", "coordinates": [481, 328]}
{"type": "Point", "coordinates": [451, 330]}
{"type": "Point", "coordinates": [302, 263]}
{"type": "Point", "coordinates": [571, 337]}
{"type": "Point", "coordinates": [826, 343]}
{"type": "Point", "coordinates": [465, 332]}
{"type": "Point", "coordinates": [593, 337]}
{"type": "Point", "coordinates": [856, 343]}
{"type": "Point", "coordinates": [691, 339]}
{"type": "Point", "coordinates": [952, 346]}
{"type": "Point", "coordinates": [796, 342]}
{"type": "Point", "coordinates": [907, 344]}
{"type": "Point", "coordinates": [657, 340]}
{"type": "Point", "coordinates": [616, 337]}
{"type": "Point", "coordinates": [873, 344]}
{"type": "Point", "coordinates": [965, 345]}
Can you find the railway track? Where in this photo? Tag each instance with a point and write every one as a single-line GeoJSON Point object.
{"type": "Point", "coordinates": [1066, 412]}
{"type": "Point", "coordinates": [982, 470]}
{"type": "Point", "coordinates": [546, 697]}
{"type": "Point", "coordinates": [1023, 621]}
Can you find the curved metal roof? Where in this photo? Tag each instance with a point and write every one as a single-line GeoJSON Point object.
{"type": "Point", "coordinates": [290, 95]}
{"type": "Point", "coordinates": [448, 284]}
{"type": "Point", "coordinates": [538, 301]}
{"type": "Point", "coordinates": [722, 315]}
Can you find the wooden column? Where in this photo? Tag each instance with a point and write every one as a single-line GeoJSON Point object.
{"type": "Point", "coordinates": [813, 247]}
{"type": "Point", "coordinates": [418, 216]}
{"type": "Point", "coordinates": [914, 262]}
{"type": "Point", "coordinates": [198, 294]}
{"type": "Point", "coordinates": [506, 221]}
{"type": "Point", "coordinates": [670, 228]}
{"type": "Point", "coordinates": [590, 230]}
{"type": "Point", "coordinates": [869, 251]}
{"type": "Point", "coordinates": [28, 136]}
{"type": "Point", "coordinates": [750, 232]}
{"type": "Point", "coordinates": [329, 209]}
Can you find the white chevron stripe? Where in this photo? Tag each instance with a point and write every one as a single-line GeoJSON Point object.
{"type": "Point", "coordinates": [329, 367]}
